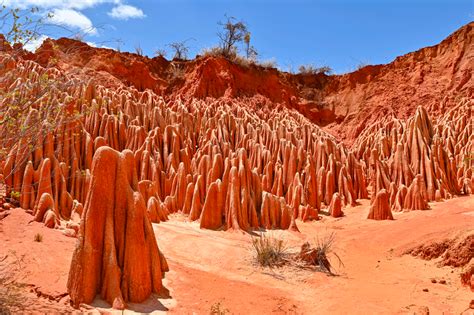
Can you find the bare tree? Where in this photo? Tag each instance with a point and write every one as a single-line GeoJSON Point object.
{"type": "Point", "coordinates": [180, 50]}
{"type": "Point", "coordinates": [233, 32]}
{"type": "Point", "coordinates": [250, 51]}
{"type": "Point", "coordinates": [138, 50]}
{"type": "Point", "coordinates": [161, 52]}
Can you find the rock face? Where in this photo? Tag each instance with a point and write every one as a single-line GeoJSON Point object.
{"type": "Point", "coordinates": [380, 209]}
{"type": "Point", "coordinates": [229, 164]}
{"type": "Point", "coordinates": [116, 254]}
{"type": "Point", "coordinates": [335, 208]}
{"type": "Point", "coordinates": [340, 102]}
{"type": "Point", "coordinates": [124, 144]}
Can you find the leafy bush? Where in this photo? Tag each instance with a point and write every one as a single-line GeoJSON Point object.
{"type": "Point", "coordinates": [15, 194]}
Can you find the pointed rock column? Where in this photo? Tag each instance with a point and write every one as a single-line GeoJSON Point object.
{"type": "Point", "coordinates": [116, 254]}
{"type": "Point", "coordinates": [380, 209]}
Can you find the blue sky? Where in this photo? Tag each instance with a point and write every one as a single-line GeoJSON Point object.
{"type": "Point", "coordinates": [341, 34]}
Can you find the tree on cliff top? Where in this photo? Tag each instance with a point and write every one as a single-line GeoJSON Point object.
{"type": "Point", "coordinates": [233, 32]}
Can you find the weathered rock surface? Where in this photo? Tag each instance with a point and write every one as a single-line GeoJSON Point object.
{"type": "Point", "coordinates": [380, 209]}
{"type": "Point", "coordinates": [116, 254]}
{"type": "Point", "coordinates": [231, 147]}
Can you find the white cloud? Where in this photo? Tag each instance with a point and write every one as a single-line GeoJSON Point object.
{"type": "Point", "coordinates": [95, 45]}
{"type": "Point", "coordinates": [68, 12]}
{"type": "Point", "coordinates": [61, 4]}
{"type": "Point", "coordinates": [74, 19]}
{"type": "Point", "coordinates": [32, 45]}
{"type": "Point", "coordinates": [125, 12]}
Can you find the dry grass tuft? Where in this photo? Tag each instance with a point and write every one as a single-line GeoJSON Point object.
{"type": "Point", "coordinates": [218, 309]}
{"type": "Point", "coordinates": [321, 254]}
{"type": "Point", "coordinates": [269, 251]}
{"type": "Point", "coordinates": [38, 237]}
{"type": "Point", "coordinates": [11, 290]}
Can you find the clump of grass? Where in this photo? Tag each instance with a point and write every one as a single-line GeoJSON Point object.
{"type": "Point", "coordinates": [268, 64]}
{"type": "Point", "coordinates": [177, 71]}
{"type": "Point", "coordinates": [218, 309]}
{"type": "Point", "coordinates": [38, 237]}
{"type": "Point", "coordinates": [313, 70]}
{"type": "Point", "coordinates": [321, 254]}
{"type": "Point", "coordinates": [269, 251]}
{"type": "Point", "coordinates": [11, 290]}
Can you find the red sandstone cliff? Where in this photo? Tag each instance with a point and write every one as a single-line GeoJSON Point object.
{"type": "Point", "coordinates": [433, 77]}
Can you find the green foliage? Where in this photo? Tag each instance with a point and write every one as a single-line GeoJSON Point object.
{"type": "Point", "coordinates": [23, 122]}
{"type": "Point", "coordinates": [468, 160]}
{"type": "Point", "coordinates": [18, 25]}
{"type": "Point", "coordinates": [15, 194]}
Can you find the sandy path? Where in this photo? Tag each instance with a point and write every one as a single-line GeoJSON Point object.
{"type": "Point", "coordinates": [212, 267]}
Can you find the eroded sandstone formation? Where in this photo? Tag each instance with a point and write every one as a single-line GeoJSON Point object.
{"type": "Point", "coordinates": [114, 151]}
{"type": "Point", "coordinates": [225, 163]}
{"type": "Point", "coordinates": [116, 254]}
{"type": "Point", "coordinates": [212, 161]}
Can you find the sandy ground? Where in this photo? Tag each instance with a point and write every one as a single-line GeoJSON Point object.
{"type": "Point", "coordinates": [211, 267]}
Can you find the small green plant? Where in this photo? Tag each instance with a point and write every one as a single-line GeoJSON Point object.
{"type": "Point", "coordinates": [15, 194]}
{"type": "Point", "coordinates": [468, 159]}
{"type": "Point", "coordinates": [217, 309]}
{"type": "Point", "coordinates": [38, 237]}
{"type": "Point", "coordinates": [269, 251]}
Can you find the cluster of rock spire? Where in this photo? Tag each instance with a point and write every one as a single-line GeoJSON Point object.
{"type": "Point", "coordinates": [129, 158]}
